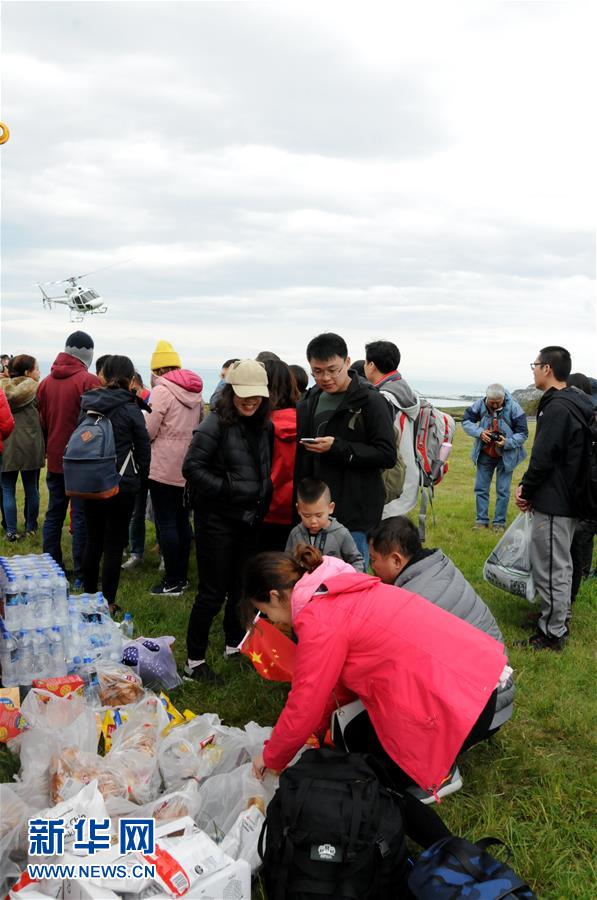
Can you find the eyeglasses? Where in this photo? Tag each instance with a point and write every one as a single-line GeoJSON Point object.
{"type": "Point", "coordinates": [332, 371]}
{"type": "Point", "coordinates": [535, 364]}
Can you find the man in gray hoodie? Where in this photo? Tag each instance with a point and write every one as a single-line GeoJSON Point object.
{"type": "Point", "coordinates": [382, 359]}
{"type": "Point", "coordinates": [398, 557]}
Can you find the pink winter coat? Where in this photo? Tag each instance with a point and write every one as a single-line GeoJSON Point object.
{"type": "Point", "coordinates": [422, 674]}
{"type": "Point", "coordinates": [176, 410]}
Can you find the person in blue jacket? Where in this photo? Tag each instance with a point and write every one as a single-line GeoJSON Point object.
{"type": "Point", "coordinates": [499, 425]}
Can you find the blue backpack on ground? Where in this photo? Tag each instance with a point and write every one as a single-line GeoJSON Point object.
{"type": "Point", "coordinates": [453, 867]}
{"type": "Point", "coordinates": [89, 460]}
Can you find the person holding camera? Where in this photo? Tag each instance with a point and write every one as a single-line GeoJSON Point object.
{"type": "Point", "coordinates": [499, 425]}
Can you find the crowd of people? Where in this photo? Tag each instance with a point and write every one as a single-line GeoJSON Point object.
{"type": "Point", "coordinates": [280, 490]}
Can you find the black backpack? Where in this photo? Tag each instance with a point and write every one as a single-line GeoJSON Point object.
{"type": "Point", "coordinates": [333, 830]}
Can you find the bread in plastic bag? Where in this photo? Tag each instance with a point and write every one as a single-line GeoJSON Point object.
{"type": "Point", "coordinates": [55, 724]}
{"type": "Point", "coordinates": [118, 684]}
{"type": "Point", "coordinates": [508, 566]}
{"type": "Point", "coordinates": [134, 750]}
{"type": "Point", "coordinates": [223, 797]}
{"type": "Point", "coordinates": [72, 769]}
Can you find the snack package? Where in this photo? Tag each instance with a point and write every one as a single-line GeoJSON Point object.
{"type": "Point", "coordinates": [118, 685]}
{"type": "Point", "coordinates": [242, 839]}
{"type": "Point", "coordinates": [12, 695]}
{"type": "Point", "coordinates": [152, 660]}
{"type": "Point", "coordinates": [12, 721]}
{"type": "Point", "coordinates": [112, 720]}
{"type": "Point", "coordinates": [61, 687]}
{"type": "Point", "coordinates": [174, 716]}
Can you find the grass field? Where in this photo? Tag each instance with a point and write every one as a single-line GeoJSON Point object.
{"type": "Point", "coordinates": [532, 786]}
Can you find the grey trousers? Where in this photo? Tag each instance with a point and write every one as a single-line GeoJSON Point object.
{"type": "Point", "coordinates": [551, 562]}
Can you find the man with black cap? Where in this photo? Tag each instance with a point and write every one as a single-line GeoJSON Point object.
{"type": "Point", "coordinates": [59, 403]}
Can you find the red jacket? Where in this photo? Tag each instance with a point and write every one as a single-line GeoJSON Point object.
{"type": "Point", "coordinates": [423, 675]}
{"type": "Point", "coordinates": [282, 475]}
{"type": "Point", "coordinates": [7, 423]}
{"type": "Point", "coordinates": [59, 404]}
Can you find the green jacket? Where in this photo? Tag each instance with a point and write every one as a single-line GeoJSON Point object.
{"type": "Point", "coordinates": [24, 449]}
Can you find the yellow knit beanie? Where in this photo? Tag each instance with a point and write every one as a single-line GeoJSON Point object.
{"type": "Point", "coordinates": [164, 355]}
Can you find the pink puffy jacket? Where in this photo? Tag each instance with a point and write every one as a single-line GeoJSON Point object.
{"type": "Point", "coordinates": [423, 675]}
{"type": "Point", "coordinates": [176, 410]}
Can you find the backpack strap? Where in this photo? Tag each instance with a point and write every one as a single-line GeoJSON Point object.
{"type": "Point", "coordinates": [460, 851]}
{"type": "Point", "coordinates": [127, 459]}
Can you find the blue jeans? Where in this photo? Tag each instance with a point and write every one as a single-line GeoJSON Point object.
{"type": "Point", "coordinates": [360, 539]}
{"type": "Point", "coordinates": [137, 526]}
{"type": "Point", "coordinates": [9, 497]}
{"type": "Point", "coordinates": [55, 516]}
{"type": "Point", "coordinates": [486, 466]}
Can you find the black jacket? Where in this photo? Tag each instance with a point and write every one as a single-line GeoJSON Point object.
{"type": "Point", "coordinates": [557, 454]}
{"type": "Point", "coordinates": [129, 429]}
{"type": "Point", "coordinates": [364, 445]}
{"type": "Point", "coordinates": [227, 472]}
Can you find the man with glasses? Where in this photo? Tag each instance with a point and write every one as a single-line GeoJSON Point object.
{"type": "Point", "coordinates": [346, 437]}
{"type": "Point", "coordinates": [549, 489]}
{"type": "Point", "coordinates": [499, 426]}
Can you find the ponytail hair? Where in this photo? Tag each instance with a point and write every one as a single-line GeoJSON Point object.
{"type": "Point", "coordinates": [273, 571]}
{"type": "Point", "coordinates": [118, 372]}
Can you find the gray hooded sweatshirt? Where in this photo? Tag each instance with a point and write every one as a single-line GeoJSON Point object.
{"type": "Point", "coordinates": [335, 540]}
{"type": "Point", "coordinates": [436, 578]}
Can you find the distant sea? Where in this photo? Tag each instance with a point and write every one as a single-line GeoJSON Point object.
{"type": "Point", "coordinates": [445, 394]}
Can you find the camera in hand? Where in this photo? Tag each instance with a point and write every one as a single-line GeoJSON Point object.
{"type": "Point", "coordinates": [496, 435]}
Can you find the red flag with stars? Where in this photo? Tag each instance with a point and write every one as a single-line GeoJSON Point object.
{"type": "Point", "coordinates": [270, 651]}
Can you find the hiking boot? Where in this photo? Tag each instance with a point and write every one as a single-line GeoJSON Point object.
{"type": "Point", "coordinates": [497, 529]}
{"type": "Point", "coordinates": [167, 590]}
{"type": "Point", "coordinates": [132, 562]}
{"type": "Point", "coordinates": [449, 785]}
{"type": "Point", "coordinates": [480, 526]}
{"type": "Point", "coordinates": [31, 533]}
{"type": "Point", "coordinates": [12, 536]}
{"type": "Point", "coordinates": [530, 621]}
{"type": "Point", "coordinates": [203, 672]}
{"type": "Point", "coordinates": [540, 641]}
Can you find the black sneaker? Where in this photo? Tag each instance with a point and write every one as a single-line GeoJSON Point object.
{"type": "Point", "coordinates": [203, 672]}
{"type": "Point", "coordinates": [540, 641]}
{"type": "Point", "coordinates": [236, 657]}
{"type": "Point", "coordinates": [167, 590]}
{"type": "Point", "coordinates": [12, 536]}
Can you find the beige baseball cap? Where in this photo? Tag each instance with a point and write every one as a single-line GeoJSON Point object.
{"type": "Point", "coordinates": [248, 378]}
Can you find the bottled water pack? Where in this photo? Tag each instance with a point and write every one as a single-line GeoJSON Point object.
{"type": "Point", "coordinates": [46, 631]}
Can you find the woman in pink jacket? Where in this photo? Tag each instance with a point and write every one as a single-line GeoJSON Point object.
{"type": "Point", "coordinates": [176, 410]}
{"type": "Point", "coordinates": [427, 679]}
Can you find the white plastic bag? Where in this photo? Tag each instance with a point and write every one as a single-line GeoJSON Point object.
{"type": "Point", "coordinates": [242, 839]}
{"type": "Point", "coordinates": [153, 661]}
{"type": "Point", "coordinates": [508, 566]}
{"type": "Point", "coordinates": [204, 747]}
{"type": "Point", "coordinates": [223, 797]}
{"type": "Point", "coordinates": [56, 723]}
{"type": "Point", "coordinates": [134, 750]}
{"type": "Point", "coordinates": [13, 835]}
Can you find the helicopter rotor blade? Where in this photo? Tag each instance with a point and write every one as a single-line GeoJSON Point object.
{"type": "Point", "coordinates": [74, 278]}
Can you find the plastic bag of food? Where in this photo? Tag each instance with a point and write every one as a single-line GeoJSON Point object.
{"type": "Point", "coordinates": [152, 660]}
{"type": "Point", "coordinates": [134, 749]}
{"type": "Point", "coordinates": [14, 814]}
{"type": "Point", "coordinates": [508, 566]}
{"type": "Point", "coordinates": [223, 797]}
{"type": "Point", "coordinates": [190, 751]}
{"type": "Point", "coordinates": [72, 769]}
{"type": "Point", "coordinates": [118, 684]}
{"type": "Point", "coordinates": [242, 839]}
{"type": "Point", "coordinates": [55, 724]}
{"type": "Point", "coordinates": [88, 803]}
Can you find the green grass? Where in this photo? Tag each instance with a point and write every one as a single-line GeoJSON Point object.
{"type": "Point", "coordinates": [532, 786]}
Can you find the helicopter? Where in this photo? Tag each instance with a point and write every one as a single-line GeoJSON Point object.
{"type": "Point", "coordinates": [81, 301]}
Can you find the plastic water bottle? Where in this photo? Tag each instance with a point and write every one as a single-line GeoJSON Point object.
{"type": "Point", "coordinates": [43, 601]}
{"type": "Point", "coordinates": [26, 663]}
{"type": "Point", "coordinates": [9, 660]}
{"type": "Point", "coordinates": [41, 655]}
{"type": "Point", "coordinates": [60, 596]}
{"type": "Point", "coordinates": [88, 673]}
{"type": "Point", "coordinates": [27, 604]}
{"type": "Point", "coordinates": [56, 653]}
{"type": "Point", "coordinates": [12, 604]}
{"type": "Point", "coordinates": [127, 627]}
{"type": "Point", "coordinates": [74, 665]}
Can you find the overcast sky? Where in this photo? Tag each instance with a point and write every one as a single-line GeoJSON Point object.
{"type": "Point", "coordinates": [418, 172]}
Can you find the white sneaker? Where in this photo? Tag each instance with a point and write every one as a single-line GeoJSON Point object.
{"type": "Point", "coordinates": [451, 783]}
{"type": "Point", "coordinates": [132, 562]}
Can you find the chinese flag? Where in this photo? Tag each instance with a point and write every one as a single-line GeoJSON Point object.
{"type": "Point", "coordinates": [270, 651]}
